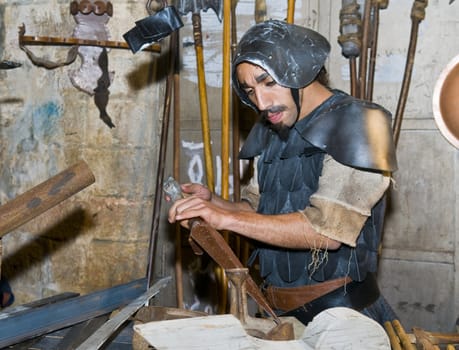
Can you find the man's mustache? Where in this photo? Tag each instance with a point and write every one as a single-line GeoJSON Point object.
{"type": "Point", "coordinates": [275, 109]}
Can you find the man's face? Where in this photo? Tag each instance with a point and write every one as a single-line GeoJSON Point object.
{"type": "Point", "coordinates": [274, 102]}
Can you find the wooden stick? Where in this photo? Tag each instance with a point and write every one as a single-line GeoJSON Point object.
{"type": "Point", "coordinates": [196, 19]}
{"type": "Point", "coordinates": [52, 40]}
{"type": "Point", "coordinates": [404, 339]}
{"type": "Point", "coordinates": [226, 96]}
{"type": "Point", "coordinates": [44, 196]}
{"type": "Point", "coordinates": [394, 340]}
{"type": "Point", "coordinates": [291, 11]}
{"type": "Point", "coordinates": [225, 143]}
{"type": "Point", "coordinates": [436, 337]}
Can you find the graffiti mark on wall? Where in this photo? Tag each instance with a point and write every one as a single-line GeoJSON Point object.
{"type": "Point", "coordinates": [195, 165]}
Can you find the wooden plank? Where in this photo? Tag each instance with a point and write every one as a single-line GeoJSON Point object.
{"type": "Point", "coordinates": [96, 340]}
{"type": "Point", "coordinates": [219, 332]}
{"type": "Point", "coordinates": [62, 314]}
{"type": "Point", "coordinates": [334, 328]}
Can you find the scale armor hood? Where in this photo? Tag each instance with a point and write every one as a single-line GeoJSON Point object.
{"type": "Point", "coordinates": [290, 54]}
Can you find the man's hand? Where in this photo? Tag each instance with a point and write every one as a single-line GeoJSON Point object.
{"type": "Point", "coordinates": [196, 198]}
{"type": "Point", "coordinates": [197, 190]}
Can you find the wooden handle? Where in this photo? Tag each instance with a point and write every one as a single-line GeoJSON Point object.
{"type": "Point", "coordinates": [50, 40]}
{"type": "Point", "coordinates": [44, 196]}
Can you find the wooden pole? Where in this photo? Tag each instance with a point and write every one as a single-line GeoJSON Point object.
{"type": "Point", "coordinates": [225, 146]}
{"type": "Point", "coordinates": [291, 11]}
{"type": "Point", "coordinates": [44, 196]}
{"type": "Point", "coordinates": [197, 33]}
{"type": "Point", "coordinates": [226, 97]}
{"type": "Point", "coordinates": [394, 340]}
{"type": "Point", "coordinates": [404, 338]}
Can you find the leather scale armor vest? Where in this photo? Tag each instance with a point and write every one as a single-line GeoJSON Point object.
{"type": "Point", "coordinates": [288, 174]}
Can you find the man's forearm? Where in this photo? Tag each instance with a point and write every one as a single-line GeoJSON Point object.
{"type": "Point", "coordinates": [284, 230]}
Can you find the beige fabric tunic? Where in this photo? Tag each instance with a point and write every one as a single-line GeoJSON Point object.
{"type": "Point", "coordinates": [342, 203]}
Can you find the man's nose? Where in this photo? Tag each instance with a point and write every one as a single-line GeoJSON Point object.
{"type": "Point", "coordinates": [262, 101]}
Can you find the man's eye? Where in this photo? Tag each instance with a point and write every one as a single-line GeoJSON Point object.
{"type": "Point", "coordinates": [270, 83]}
{"type": "Point", "coordinates": [249, 92]}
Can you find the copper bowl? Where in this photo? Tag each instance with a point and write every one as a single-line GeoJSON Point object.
{"type": "Point", "coordinates": [445, 102]}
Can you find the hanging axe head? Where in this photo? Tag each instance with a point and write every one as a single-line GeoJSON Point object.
{"type": "Point", "coordinates": [196, 6]}
{"type": "Point", "coordinates": [153, 28]}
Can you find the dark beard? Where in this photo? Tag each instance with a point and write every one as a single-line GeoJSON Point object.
{"type": "Point", "coordinates": [281, 129]}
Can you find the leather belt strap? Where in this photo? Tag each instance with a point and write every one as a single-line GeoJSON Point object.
{"type": "Point", "coordinates": [286, 299]}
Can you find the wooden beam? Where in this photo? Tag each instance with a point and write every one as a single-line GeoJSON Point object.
{"type": "Point", "coordinates": [62, 314]}
{"type": "Point", "coordinates": [44, 196]}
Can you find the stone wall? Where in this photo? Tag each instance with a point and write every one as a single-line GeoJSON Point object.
{"type": "Point", "coordinates": [99, 237]}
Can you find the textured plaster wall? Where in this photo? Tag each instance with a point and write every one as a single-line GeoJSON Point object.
{"type": "Point", "coordinates": [100, 237]}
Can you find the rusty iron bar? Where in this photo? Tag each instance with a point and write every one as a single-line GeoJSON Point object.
{"type": "Point", "coordinates": [364, 52]}
{"type": "Point", "coordinates": [161, 160]}
{"type": "Point", "coordinates": [417, 15]}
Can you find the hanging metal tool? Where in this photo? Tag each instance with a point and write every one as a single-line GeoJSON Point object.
{"type": "Point", "coordinates": [260, 12]}
{"type": "Point", "coordinates": [161, 159]}
{"type": "Point", "coordinates": [375, 7]}
{"type": "Point", "coordinates": [9, 64]}
{"type": "Point", "coordinates": [350, 38]}
{"type": "Point", "coordinates": [195, 7]}
{"type": "Point", "coordinates": [417, 15]}
{"type": "Point", "coordinates": [176, 172]}
{"type": "Point", "coordinates": [364, 51]}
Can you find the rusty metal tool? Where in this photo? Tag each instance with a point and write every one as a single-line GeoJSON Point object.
{"type": "Point", "coordinates": [98, 339]}
{"type": "Point", "coordinates": [418, 12]}
{"type": "Point", "coordinates": [204, 238]}
{"type": "Point", "coordinates": [161, 159]}
{"type": "Point", "coordinates": [375, 7]}
{"type": "Point", "coordinates": [5, 64]}
{"type": "Point", "coordinates": [71, 41]}
{"type": "Point", "coordinates": [364, 51]}
{"type": "Point", "coordinates": [350, 38]}
{"type": "Point", "coordinates": [210, 241]}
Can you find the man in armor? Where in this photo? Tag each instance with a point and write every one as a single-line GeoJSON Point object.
{"type": "Point", "coordinates": [323, 162]}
